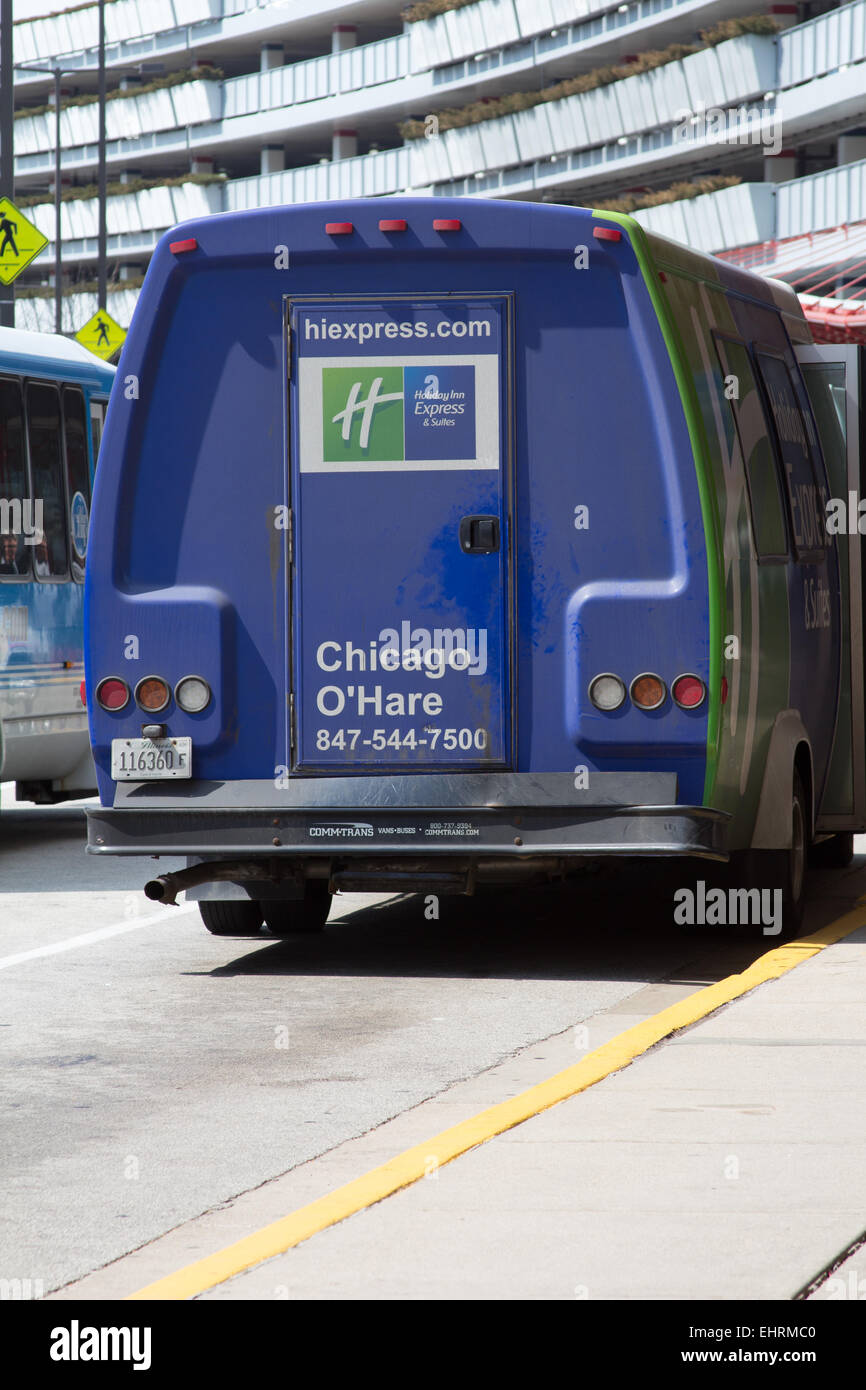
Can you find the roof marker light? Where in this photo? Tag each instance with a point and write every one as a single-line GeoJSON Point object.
{"type": "Point", "coordinates": [177, 248]}
{"type": "Point", "coordinates": [339, 228]}
{"type": "Point", "coordinates": [607, 233]}
{"type": "Point", "coordinates": [447, 224]}
{"type": "Point", "coordinates": [393, 224]}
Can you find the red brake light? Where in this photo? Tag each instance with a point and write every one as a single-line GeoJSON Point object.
{"type": "Point", "coordinates": [339, 228]}
{"type": "Point", "coordinates": [178, 247]}
{"type": "Point", "coordinates": [607, 233]}
{"type": "Point", "coordinates": [447, 224]}
{"type": "Point", "coordinates": [82, 690]}
{"type": "Point", "coordinates": [393, 224]}
{"type": "Point", "coordinates": [689, 691]}
{"type": "Point", "coordinates": [111, 693]}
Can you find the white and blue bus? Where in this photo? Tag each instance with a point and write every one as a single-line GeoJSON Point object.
{"type": "Point", "coordinates": [53, 398]}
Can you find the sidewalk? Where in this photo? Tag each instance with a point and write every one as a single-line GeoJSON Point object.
{"type": "Point", "coordinates": [729, 1162]}
{"type": "Point", "coordinates": [726, 1162]}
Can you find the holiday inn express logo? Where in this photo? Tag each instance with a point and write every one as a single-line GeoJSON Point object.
{"type": "Point", "coordinates": [362, 413]}
{"type": "Point", "coordinates": [396, 414]}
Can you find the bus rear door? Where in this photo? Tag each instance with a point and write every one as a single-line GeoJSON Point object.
{"type": "Point", "coordinates": [400, 477]}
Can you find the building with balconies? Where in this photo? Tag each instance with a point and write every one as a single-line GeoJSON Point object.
{"type": "Point", "coordinates": [738, 129]}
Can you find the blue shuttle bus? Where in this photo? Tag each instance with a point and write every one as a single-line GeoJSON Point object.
{"type": "Point", "coordinates": [453, 540]}
{"type": "Point", "coordinates": [53, 399]}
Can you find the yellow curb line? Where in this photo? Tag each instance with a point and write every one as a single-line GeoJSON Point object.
{"type": "Point", "coordinates": [414, 1163]}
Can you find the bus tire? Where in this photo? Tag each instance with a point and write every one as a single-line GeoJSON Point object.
{"type": "Point", "coordinates": [288, 917]}
{"type": "Point", "coordinates": [231, 918]}
{"type": "Point", "coordinates": [836, 852]}
{"type": "Point", "coordinates": [785, 869]}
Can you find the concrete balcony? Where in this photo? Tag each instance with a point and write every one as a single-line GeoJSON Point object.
{"type": "Point", "coordinates": [823, 45]}
{"type": "Point", "coordinates": [827, 199]}
{"type": "Point", "coordinates": [334, 74]}
{"type": "Point", "coordinates": [76, 31]}
{"type": "Point", "coordinates": [491, 28]}
{"type": "Point", "coordinates": [367, 176]}
{"type": "Point", "coordinates": [732, 73]}
{"type": "Point", "coordinates": [756, 212]}
{"type": "Point", "coordinates": [146, 29]}
{"type": "Point", "coordinates": [159, 120]}
{"type": "Point", "coordinates": [135, 221]}
{"type": "Point", "coordinates": [731, 217]}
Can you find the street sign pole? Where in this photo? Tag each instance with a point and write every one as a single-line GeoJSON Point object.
{"type": "Point", "coordinates": [102, 254]}
{"type": "Point", "coordinates": [7, 144]}
{"type": "Point", "coordinates": [58, 207]}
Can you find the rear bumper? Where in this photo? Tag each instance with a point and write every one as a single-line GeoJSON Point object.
{"type": "Point", "coordinates": [473, 815]}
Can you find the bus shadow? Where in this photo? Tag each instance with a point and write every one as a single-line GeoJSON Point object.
{"type": "Point", "coordinates": [614, 925]}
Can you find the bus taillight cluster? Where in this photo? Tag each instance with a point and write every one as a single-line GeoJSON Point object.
{"type": "Point", "coordinates": [153, 694]}
{"type": "Point", "coordinates": [647, 691]}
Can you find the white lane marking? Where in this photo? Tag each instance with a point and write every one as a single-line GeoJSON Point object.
{"type": "Point", "coordinates": [87, 938]}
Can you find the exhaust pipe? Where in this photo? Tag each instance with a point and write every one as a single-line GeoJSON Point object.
{"type": "Point", "coordinates": [160, 890]}
{"type": "Point", "coordinates": [166, 888]}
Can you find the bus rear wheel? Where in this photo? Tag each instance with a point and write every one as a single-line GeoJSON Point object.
{"type": "Point", "coordinates": [231, 918]}
{"type": "Point", "coordinates": [294, 915]}
{"type": "Point", "coordinates": [784, 870]}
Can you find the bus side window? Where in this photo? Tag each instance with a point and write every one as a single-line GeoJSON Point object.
{"type": "Point", "coordinates": [805, 500]}
{"type": "Point", "coordinates": [14, 493]}
{"type": "Point", "coordinates": [77, 476]}
{"type": "Point", "coordinates": [826, 385]}
{"type": "Point", "coordinates": [97, 424]}
{"type": "Point", "coordinates": [46, 471]}
{"type": "Point", "coordinates": [753, 431]}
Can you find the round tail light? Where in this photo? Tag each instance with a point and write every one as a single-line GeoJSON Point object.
{"type": "Point", "coordinates": [111, 693]}
{"type": "Point", "coordinates": [648, 691]}
{"type": "Point", "coordinates": [192, 694]}
{"type": "Point", "coordinates": [606, 691]}
{"type": "Point", "coordinates": [152, 694]}
{"type": "Point", "coordinates": [689, 691]}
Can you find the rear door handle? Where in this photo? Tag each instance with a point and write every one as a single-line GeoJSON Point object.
{"type": "Point", "coordinates": [479, 535]}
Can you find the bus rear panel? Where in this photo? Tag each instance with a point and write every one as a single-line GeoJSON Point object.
{"type": "Point", "coordinates": [409, 564]}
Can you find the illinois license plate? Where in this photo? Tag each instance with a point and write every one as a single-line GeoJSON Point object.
{"type": "Point", "coordinates": [150, 759]}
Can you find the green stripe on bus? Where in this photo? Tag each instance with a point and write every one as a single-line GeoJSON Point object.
{"type": "Point", "coordinates": [695, 426]}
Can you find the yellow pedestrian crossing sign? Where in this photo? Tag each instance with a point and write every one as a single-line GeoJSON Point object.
{"type": "Point", "coordinates": [20, 241]}
{"type": "Point", "coordinates": [101, 334]}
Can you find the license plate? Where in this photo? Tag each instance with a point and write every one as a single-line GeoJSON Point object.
{"type": "Point", "coordinates": [150, 759]}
